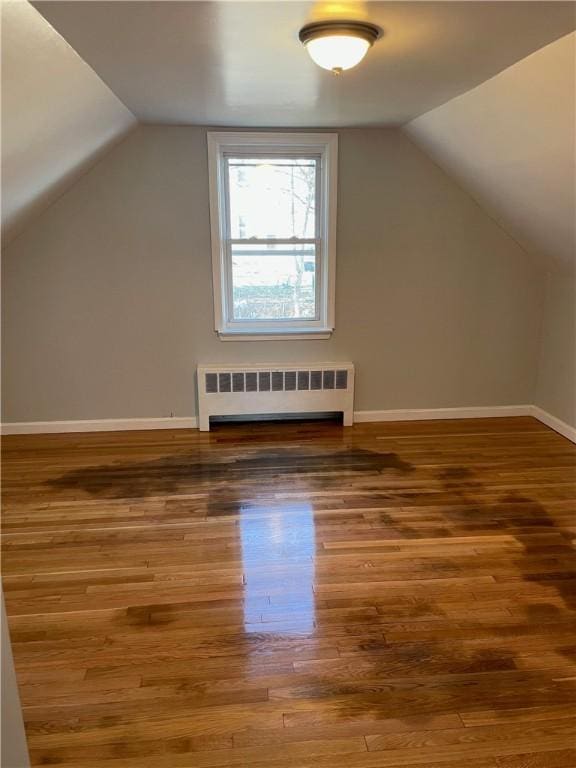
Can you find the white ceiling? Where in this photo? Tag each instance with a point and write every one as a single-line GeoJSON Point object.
{"type": "Point", "coordinates": [241, 64]}
{"type": "Point", "coordinates": [57, 115]}
{"type": "Point", "coordinates": [510, 142]}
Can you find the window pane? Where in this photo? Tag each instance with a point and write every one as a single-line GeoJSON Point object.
{"type": "Point", "coordinates": [272, 198]}
{"type": "Point", "coordinates": [274, 282]}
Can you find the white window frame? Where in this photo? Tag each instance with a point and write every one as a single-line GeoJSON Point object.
{"type": "Point", "coordinates": [325, 147]}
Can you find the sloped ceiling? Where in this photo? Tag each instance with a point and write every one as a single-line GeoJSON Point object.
{"type": "Point", "coordinates": [57, 115]}
{"type": "Point", "coordinates": [510, 142]}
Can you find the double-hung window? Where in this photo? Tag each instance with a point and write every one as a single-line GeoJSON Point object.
{"type": "Point", "coordinates": [273, 224]}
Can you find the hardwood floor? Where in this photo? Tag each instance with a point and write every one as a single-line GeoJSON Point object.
{"type": "Point", "coordinates": [295, 595]}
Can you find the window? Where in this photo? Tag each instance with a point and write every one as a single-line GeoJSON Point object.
{"type": "Point", "coordinates": [273, 220]}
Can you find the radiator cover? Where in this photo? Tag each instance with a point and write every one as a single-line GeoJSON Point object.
{"type": "Point", "coordinates": [237, 390]}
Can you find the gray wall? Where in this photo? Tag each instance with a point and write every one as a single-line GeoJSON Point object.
{"type": "Point", "coordinates": [14, 748]}
{"type": "Point", "coordinates": [108, 302]}
{"type": "Point", "coordinates": [556, 386]}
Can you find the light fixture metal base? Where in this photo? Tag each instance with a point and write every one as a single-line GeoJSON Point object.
{"type": "Point", "coordinates": [362, 29]}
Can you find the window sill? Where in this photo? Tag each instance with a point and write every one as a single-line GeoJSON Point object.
{"type": "Point", "coordinates": [295, 335]}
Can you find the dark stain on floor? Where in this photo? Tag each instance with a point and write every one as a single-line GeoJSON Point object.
{"type": "Point", "coordinates": [176, 473]}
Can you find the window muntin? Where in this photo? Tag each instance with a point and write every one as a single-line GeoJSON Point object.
{"type": "Point", "coordinates": [273, 248]}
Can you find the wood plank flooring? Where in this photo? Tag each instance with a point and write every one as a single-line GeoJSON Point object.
{"type": "Point", "coordinates": [295, 595]}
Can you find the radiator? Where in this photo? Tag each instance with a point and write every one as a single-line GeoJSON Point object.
{"type": "Point", "coordinates": [238, 390]}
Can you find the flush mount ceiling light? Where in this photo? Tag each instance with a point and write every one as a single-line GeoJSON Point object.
{"type": "Point", "coordinates": [338, 45]}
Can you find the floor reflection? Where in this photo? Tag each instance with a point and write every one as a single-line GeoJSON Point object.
{"type": "Point", "coordinates": [278, 549]}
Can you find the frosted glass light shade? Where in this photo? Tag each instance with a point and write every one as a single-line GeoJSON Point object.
{"type": "Point", "coordinates": [338, 45]}
{"type": "Point", "coordinates": [337, 52]}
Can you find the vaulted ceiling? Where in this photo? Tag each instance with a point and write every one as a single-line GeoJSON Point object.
{"type": "Point", "coordinates": [486, 88]}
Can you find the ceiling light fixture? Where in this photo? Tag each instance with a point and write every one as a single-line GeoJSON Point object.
{"type": "Point", "coordinates": [338, 45]}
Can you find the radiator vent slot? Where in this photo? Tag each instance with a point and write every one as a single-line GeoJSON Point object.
{"type": "Point", "coordinates": [315, 379]}
{"type": "Point", "coordinates": [328, 379]}
{"type": "Point", "coordinates": [224, 382]}
{"type": "Point", "coordinates": [237, 382]}
{"type": "Point", "coordinates": [341, 379]}
{"type": "Point", "coordinates": [211, 383]}
{"type": "Point", "coordinates": [290, 381]}
{"type": "Point", "coordinates": [303, 380]}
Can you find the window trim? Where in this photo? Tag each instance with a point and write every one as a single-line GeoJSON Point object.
{"type": "Point", "coordinates": [324, 145]}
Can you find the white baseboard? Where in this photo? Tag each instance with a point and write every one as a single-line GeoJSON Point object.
{"type": "Point", "coordinates": [97, 425]}
{"type": "Point", "coordinates": [191, 422]}
{"type": "Point", "coordinates": [482, 412]}
{"type": "Point", "coordinates": [556, 424]}
{"type": "Point", "coordinates": [425, 414]}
